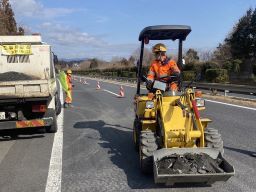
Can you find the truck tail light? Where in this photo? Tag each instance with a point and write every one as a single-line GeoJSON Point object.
{"type": "Point", "coordinates": [39, 108]}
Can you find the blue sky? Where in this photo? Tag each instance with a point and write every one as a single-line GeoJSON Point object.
{"type": "Point", "coordinates": [110, 28]}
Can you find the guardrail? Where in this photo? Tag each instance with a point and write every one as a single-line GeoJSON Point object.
{"type": "Point", "coordinates": [226, 88]}
{"type": "Point", "coordinates": [214, 87]}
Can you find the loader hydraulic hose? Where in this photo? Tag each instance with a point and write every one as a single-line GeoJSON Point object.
{"type": "Point", "coordinates": [197, 114]}
{"type": "Point", "coordinates": [178, 102]}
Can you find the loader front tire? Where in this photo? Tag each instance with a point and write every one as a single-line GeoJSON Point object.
{"type": "Point", "coordinates": [147, 146]}
{"type": "Point", "coordinates": [213, 139]}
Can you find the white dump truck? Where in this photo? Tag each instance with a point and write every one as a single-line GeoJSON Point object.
{"type": "Point", "coordinates": [29, 95]}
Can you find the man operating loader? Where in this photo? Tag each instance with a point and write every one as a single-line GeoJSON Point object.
{"type": "Point", "coordinates": [162, 67]}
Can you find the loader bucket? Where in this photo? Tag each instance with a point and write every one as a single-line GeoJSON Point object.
{"type": "Point", "coordinates": [207, 178]}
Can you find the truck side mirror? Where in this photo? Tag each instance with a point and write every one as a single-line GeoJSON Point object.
{"type": "Point", "coordinates": [55, 59]}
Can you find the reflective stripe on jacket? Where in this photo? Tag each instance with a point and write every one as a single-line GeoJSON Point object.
{"type": "Point", "coordinates": [69, 82]}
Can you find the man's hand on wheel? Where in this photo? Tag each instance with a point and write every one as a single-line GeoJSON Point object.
{"type": "Point", "coordinates": [149, 85]}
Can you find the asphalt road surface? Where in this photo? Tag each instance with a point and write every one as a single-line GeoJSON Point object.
{"type": "Point", "coordinates": [93, 148]}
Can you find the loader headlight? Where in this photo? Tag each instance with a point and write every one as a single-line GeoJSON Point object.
{"type": "Point", "coordinates": [149, 104]}
{"type": "Point", "coordinates": [200, 102]}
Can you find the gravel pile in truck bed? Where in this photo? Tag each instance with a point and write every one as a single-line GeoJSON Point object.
{"type": "Point", "coordinates": [189, 164]}
{"type": "Point", "coordinates": [15, 76]}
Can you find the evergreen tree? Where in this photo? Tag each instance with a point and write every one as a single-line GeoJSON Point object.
{"type": "Point", "coordinates": [94, 63]}
{"type": "Point", "coordinates": [191, 56]}
{"type": "Point", "coordinates": [241, 38]}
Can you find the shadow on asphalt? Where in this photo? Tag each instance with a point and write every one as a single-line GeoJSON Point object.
{"type": "Point", "coordinates": [14, 134]}
{"type": "Point", "coordinates": [118, 140]}
{"type": "Point", "coordinates": [246, 152]}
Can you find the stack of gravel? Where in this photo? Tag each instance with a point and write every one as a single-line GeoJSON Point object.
{"type": "Point", "coordinates": [189, 164]}
{"type": "Point", "coordinates": [15, 76]}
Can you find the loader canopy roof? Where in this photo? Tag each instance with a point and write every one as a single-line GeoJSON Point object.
{"type": "Point", "coordinates": [165, 32]}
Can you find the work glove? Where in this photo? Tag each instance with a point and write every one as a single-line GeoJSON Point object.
{"type": "Point", "coordinates": [149, 84]}
{"type": "Point", "coordinates": [176, 74]}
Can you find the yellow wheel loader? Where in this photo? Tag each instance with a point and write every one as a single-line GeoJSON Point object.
{"type": "Point", "coordinates": [168, 132]}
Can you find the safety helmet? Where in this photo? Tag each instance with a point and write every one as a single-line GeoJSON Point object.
{"type": "Point", "coordinates": [69, 71]}
{"type": "Point", "coordinates": [159, 48]}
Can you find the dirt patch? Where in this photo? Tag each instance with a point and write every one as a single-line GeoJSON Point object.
{"type": "Point", "coordinates": [15, 76]}
{"type": "Point", "coordinates": [232, 100]}
{"type": "Point", "coordinates": [189, 164]}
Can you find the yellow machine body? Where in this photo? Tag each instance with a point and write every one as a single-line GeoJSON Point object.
{"type": "Point", "coordinates": [180, 128]}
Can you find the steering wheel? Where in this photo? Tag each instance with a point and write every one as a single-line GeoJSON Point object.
{"type": "Point", "coordinates": [166, 79]}
{"type": "Point", "coordinates": [170, 78]}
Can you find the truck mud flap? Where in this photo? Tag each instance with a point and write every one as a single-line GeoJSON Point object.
{"type": "Point", "coordinates": [26, 124]}
{"type": "Point", "coordinates": [207, 178]}
{"type": "Point", "coordinates": [34, 123]}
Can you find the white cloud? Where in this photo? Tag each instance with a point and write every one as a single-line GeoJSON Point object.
{"type": "Point", "coordinates": [67, 41]}
{"type": "Point", "coordinates": [72, 43]}
{"type": "Point", "coordinates": [34, 8]}
{"type": "Point", "coordinates": [66, 35]}
{"type": "Point", "coordinates": [101, 19]}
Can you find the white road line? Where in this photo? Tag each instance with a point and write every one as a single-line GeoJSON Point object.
{"type": "Point", "coordinates": [110, 92]}
{"type": "Point", "coordinates": [55, 168]}
{"type": "Point", "coordinates": [254, 109]}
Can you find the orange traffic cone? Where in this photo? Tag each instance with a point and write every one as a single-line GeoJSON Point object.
{"type": "Point", "coordinates": [98, 85]}
{"type": "Point", "coordinates": [121, 92]}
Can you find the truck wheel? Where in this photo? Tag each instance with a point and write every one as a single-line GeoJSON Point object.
{"type": "Point", "coordinates": [147, 146]}
{"type": "Point", "coordinates": [58, 105]}
{"type": "Point", "coordinates": [213, 139]}
{"type": "Point", "coordinates": [136, 133]}
{"type": "Point", "coordinates": [54, 127]}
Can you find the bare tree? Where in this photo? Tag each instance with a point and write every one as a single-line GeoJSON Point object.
{"type": "Point", "coordinates": [8, 25]}
{"type": "Point", "coordinates": [205, 55]}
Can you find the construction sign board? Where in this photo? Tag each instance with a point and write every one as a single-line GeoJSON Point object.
{"type": "Point", "coordinates": [17, 49]}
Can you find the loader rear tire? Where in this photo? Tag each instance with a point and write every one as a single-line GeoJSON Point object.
{"type": "Point", "coordinates": [213, 139]}
{"type": "Point", "coordinates": [136, 133]}
{"type": "Point", "coordinates": [147, 146]}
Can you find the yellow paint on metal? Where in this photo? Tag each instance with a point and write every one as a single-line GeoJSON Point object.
{"type": "Point", "coordinates": [179, 125]}
{"type": "Point", "coordinates": [17, 49]}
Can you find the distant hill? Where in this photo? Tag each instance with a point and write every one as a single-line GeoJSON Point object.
{"type": "Point", "coordinates": [75, 60]}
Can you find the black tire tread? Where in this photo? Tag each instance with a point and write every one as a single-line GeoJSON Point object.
{"type": "Point", "coordinates": [54, 127]}
{"type": "Point", "coordinates": [148, 145]}
{"type": "Point", "coordinates": [213, 139]}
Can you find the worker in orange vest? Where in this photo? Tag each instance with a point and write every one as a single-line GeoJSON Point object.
{"type": "Point", "coordinates": [161, 67]}
{"type": "Point", "coordinates": [68, 100]}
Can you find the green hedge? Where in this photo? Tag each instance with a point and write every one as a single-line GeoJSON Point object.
{"type": "Point", "coordinates": [188, 75]}
{"type": "Point", "coordinates": [115, 72]}
{"type": "Point", "coordinates": [217, 75]}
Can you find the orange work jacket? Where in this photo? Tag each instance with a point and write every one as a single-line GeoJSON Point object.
{"type": "Point", "coordinates": [69, 82]}
{"type": "Point", "coordinates": [158, 70]}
